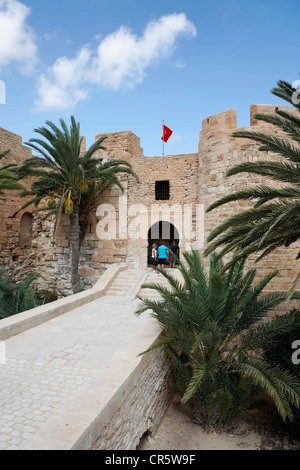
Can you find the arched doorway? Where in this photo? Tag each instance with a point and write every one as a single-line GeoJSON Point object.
{"type": "Point", "coordinates": [161, 231]}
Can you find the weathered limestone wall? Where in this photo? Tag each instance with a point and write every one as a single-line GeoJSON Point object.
{"type": "Point", "coordinates": [218, 152]}
{"type": "Point", "coordinates": [130, 214]}
{"type": "Point", "coordinates": [26, 242]}
{"type": "Point", "coordinates": [137, 210]}
{"type": "Point", "coordinates": [181, 172]}
{"type": "Point", "coordinates": [96, 254]}
{"type": "Point", "coordinates": [140, 405]}
{"type": "Point", "coordinates": [119, 225]}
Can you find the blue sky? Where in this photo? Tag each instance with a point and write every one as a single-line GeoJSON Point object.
{"type": "Point", "coordinates": [129, 64]}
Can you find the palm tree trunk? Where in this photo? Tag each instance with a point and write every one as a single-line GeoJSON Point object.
{"type": "Point", "coordinates": [83, 224]}
{"type": "Point", "coordinates": [75, 249]}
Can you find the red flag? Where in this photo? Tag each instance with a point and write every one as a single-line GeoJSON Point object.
{"type": "Point", "coordinates": [166, 133]}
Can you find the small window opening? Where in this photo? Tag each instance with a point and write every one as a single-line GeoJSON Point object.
{"type": "Point", "coordinates": [162, 190]}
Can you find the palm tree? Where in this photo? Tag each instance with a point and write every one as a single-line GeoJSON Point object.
{"type": "Point", "coordinates": [274, 219]}
{"type": "Point", "coordinates": [214, 328]}
{"type": "Point", "coordinates": [63, 175]}
{"type": "Point", "coordinates": [8, 176]}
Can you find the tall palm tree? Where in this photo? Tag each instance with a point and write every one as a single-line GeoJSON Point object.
{"type": "Point", "coordinates": [214, 328]}
{"type": "Point", "coordinates": [8, 176]}
{"type": "Point", "coordinates": [274, 219]}
{"type": "Point", "coordinates": [63, 175]}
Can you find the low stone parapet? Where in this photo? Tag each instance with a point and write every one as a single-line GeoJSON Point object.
{"type": "Point", "coordinates": [20, 322]}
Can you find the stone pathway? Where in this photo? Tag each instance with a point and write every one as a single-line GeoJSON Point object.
{"type": "Point", "coordinates": [59, 363]}
{"type": "Point", "coordinates": [59, 372]}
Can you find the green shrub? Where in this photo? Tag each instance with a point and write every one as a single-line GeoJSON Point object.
{"type": "Point", "coordinates": [215, 326]}
{"type": "Point", "coordinates": [16, 297]}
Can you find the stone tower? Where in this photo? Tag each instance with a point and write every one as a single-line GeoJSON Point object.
{"type": "Point", "coordinates": [218, 152]}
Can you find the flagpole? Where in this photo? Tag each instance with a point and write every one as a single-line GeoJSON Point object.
{"type": "Point", "coordinates": [163, 148]}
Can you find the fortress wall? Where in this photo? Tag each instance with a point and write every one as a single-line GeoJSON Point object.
{"type": "Point", "coordinates": [100, 249]}
{"type": "Point", "coordinates": [194, 179]}
{"type": "Point", "coordinates": [137, 207]}
{"type": "Point", "coordinates": [132, 209]}
{"type": "Point", "coordinates": [97, 254]}
{"type": "Point", "coordinates": [181, 172]}
{"type": "Point", "coordinates": [124, 145]}
{"type": "Point", "coordinates": [218, 152]}
{"type": "Point", "coordinates": [18, 152]}
{"type": "Point", "coordinates": [20, 256]}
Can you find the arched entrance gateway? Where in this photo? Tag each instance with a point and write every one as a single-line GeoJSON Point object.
{"type": "Point", "coordinates": [162, 231]}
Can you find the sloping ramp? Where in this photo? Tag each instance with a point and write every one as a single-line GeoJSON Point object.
{"type": "Point", "coordinates": [75, 380]}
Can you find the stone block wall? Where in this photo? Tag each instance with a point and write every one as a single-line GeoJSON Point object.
{"type": "Point", "coordinates": [25, 247]}
{"type": "Point", "coordinates": [218, 152]}
{"type": "Point", "coordinates": [195, 179]}
{"type": "Point", "coordinates": [138, 209]}
{"type": "Point", "coordinates": [139, 406]}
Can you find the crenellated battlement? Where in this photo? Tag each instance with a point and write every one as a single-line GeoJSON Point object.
{"type": "Point", "coordinates": [226, 121]}
{"type": "Point", "coordinates": [122, 144]}
{"type": "Point", "coordinates": [266, 109]}
{"type": "Point", "coordinates": [221, 122]}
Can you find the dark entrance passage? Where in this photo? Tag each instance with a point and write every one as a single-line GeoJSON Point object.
{"type": "Point", "coordinates": [162, 231]}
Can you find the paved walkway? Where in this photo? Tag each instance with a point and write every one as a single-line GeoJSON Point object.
{"type": "Point", "coordinates": [59, 373]}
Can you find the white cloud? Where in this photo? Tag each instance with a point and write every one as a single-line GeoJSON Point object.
{"type": "Point", "coordinates": [121, 59]}
{"type": "Point", "coordinates": [17, 39]}
{"type": "Point", "coordinates": [63, 89]}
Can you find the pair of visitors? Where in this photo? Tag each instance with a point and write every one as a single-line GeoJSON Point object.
{"type": "Point", "coordinates": [174, 249]}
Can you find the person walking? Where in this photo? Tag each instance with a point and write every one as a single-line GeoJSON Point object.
{"type": "Point", "coordinates": [154, 257]}
{"type": "Point", "coordinates": [163, 255]}
{"type": "Point", "coordinates": [174, 251]}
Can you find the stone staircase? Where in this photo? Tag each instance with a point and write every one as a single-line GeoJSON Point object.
{"type": "Point", "coordinates": [127, 283]}
{"type": "Point", "coordinates": [156, 278]}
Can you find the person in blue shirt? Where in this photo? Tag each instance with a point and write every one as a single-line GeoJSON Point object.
{"type": "Point", "coordinates": [163, 255]}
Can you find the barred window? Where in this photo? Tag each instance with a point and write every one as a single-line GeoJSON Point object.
{"type": "Point", "coordinates": [162, 190]}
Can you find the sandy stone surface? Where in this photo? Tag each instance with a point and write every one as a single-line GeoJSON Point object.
{"type": "Point", "coordinates": [255, 430]}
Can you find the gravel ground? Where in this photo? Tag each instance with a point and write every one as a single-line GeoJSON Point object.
{"type": "Point", "coordinates": [258, 429]}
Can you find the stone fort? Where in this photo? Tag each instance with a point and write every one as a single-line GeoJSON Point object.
{"type": "Point", "coordinates": [167, 202]}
